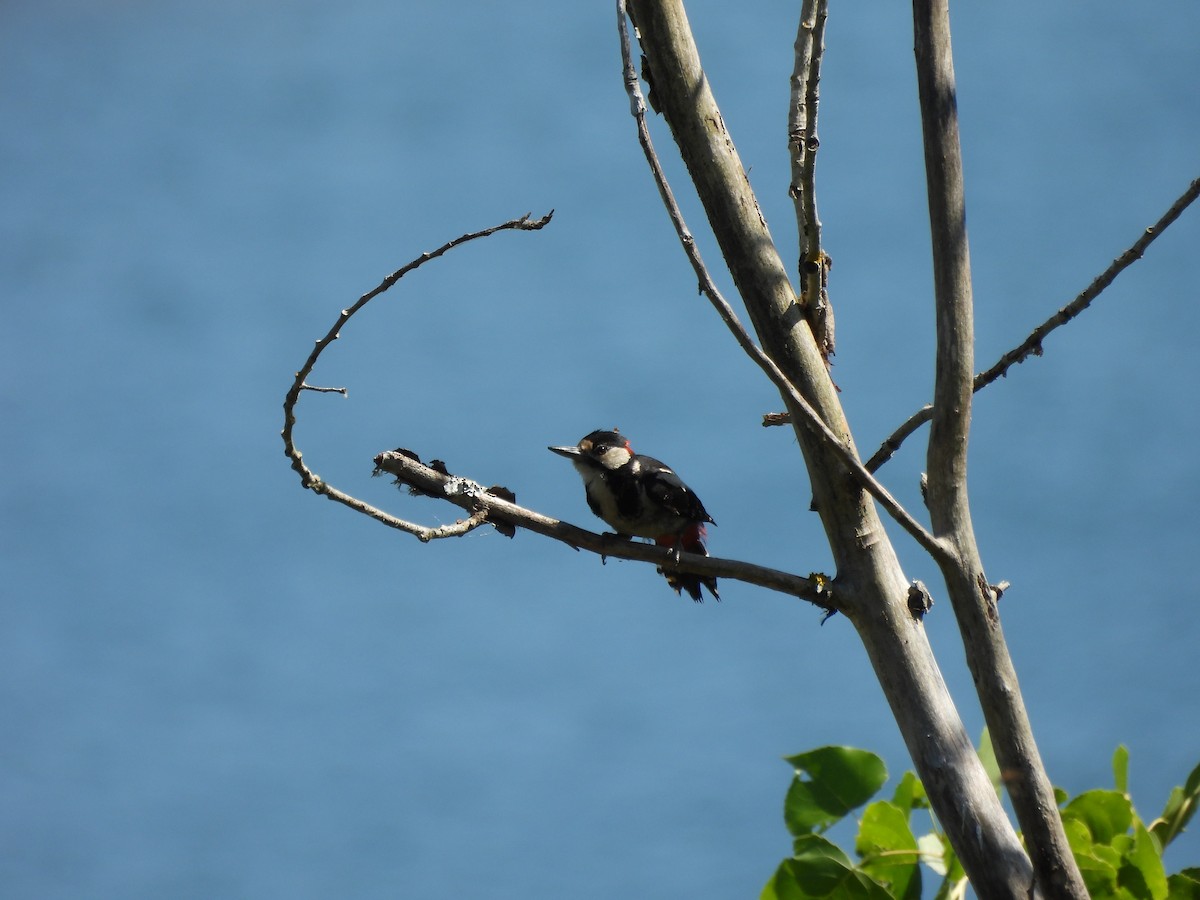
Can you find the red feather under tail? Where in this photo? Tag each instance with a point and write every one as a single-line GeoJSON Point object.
{"type": "Point", "coordinates": [690, 541]}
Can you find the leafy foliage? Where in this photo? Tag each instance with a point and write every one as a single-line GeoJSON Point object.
{"type": "Point", "coordinates": [840, 779]}
{"type": "Point", "coordinates": [1120, 855]}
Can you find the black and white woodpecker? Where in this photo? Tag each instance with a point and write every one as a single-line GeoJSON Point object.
{"type": "Point", "coordinates": [639, 496]}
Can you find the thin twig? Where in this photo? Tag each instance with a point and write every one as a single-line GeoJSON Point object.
{"type": "Point", "coordinates": [420, 532]}
{"type": "Point", "coordinates": [803, 143]}
{"type": "Point", "coordinates": [1032, 345]}
{"type": "Point", "coordinates": [709, 288]}
{"type": "Point", "coordinates": [473, 497]}
{"type": "Point", "coordinates": [307, 477]}
{"type": "Point", "coordinates": [897, 437]}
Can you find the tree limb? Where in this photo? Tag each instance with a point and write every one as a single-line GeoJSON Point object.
{"type": "Point", "coordinates": [476, 499]}
{"type": "Point", "coordinates": [973, 599]}
{"type": "Point", "coordinates": [1032, 345]}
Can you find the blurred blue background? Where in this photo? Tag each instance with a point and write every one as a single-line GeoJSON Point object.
{"type": "Point", "coordinates": [214, 684]}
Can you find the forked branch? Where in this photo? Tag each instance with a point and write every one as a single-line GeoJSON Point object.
{"type": "Point", "coordinates": [709, 289]}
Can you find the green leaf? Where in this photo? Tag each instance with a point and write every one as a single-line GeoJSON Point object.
{"type": "Point", "coordinates": [1142, 872]}
{"type": "Point", "coordinates": [1079, 837]}
{"type": "Point", "coordinates": [1181, 806]}
{"type": "Point", "coordinates": [821, 870]}
{"type": "Point", "coordinates": [954, 879]}
{"type": "Point", "coordinates": [910, 793]}
{"type": "Point", "coordinates": [1099, 876]}
{"type": "Point", "coordinates": [840, 779]}
{"type": "Point", "coordinates": [1106, 814]}
{"type": "Point", "coordinates": [1098, 863]}
{"type": "Point", "coordinates": [953, 889]}
{"type": "Point", "coordinates": [987, 756]}
{"type": "Point", "coordinates": [1184, 886]}
{"type": "Point", "coordinates": [772, 888]}
{"type": "Point", "coordinates": [889, 851]}
{"type": "Point", "coordinates": [1108, 855]}
{"type": "Point", "coordinates": [884, 828]}
{"type": "Point", "coordinates": [1120, 764]}
{"type": "Point", "coordinates": [814, 848]}
{"type": "Point", "coordinates": [933, 853]}
{"type": "Point", "coordinates": [1122, 844]}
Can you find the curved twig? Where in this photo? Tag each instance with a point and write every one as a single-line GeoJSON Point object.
{"type": "Point", "coordinates": [307, 477]}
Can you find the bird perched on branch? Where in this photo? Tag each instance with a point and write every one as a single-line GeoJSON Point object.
{"type": "Point", "coordinates": [639, 496]}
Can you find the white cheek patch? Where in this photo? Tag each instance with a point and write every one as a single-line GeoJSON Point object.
{"type": "Point", "coordinates": [614, 458]}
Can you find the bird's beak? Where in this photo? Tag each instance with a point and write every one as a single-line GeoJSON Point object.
{"type": "Point", "coordinates": [568, 452]}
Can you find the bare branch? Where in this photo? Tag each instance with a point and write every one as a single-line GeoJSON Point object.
{"type": "Point", "coordinates": [953, 304]}
{"type": "Point", "coordinates": [802, 146]}
{"type": "Point", "coordinates": [489, 505]}
{"type": "Point", "coordinates": [710, 290]}
{"type": "Point", "coordinates": [1032, 345]}
{"type": "Point", "coordinates": [889, 447]}
{"type": "Point", "coordinates": [476, 499]}
{"type": "Point", "coordinates": [973, 599]}
{"type": "Point", "coordinates": [307, 477]}
{"type": "Point", "coordinates": [420, 532]}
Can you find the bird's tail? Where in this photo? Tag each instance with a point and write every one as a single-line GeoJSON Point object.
{"type": "Point", "coordinates": [691, 541]}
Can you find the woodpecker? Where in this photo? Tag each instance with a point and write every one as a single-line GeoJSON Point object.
{"type": "Point", "coordinates": [642, 497]}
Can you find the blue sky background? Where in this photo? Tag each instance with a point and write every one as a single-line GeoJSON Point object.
{"type": "Point", "coordinates": [214, 684]}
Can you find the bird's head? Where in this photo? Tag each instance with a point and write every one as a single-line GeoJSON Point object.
{"type": "Point", "coordinates": [600, 449]}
